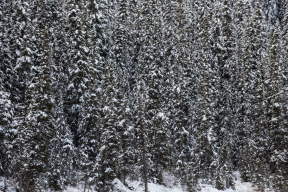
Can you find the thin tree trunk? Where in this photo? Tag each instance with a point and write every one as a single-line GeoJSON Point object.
{"type": "Point", "coordinates": [27, 184]}
{"type": "Point", "coordinates": [145, 173]}
{"type": "Point", "coordinates": [146, 184]}
{"type": "Point", "coordinates": [227, 182]}
{"type": "Point", "coordinates": [85, 184]}
{"type": "Point", "coordinates": [124, 178]}
{"type": "Point", "coordinates": [104, 186]}
{"type": "Point", "coordinates": [157, 167]}
{"type": "Point", "coordinates": [20, 183]}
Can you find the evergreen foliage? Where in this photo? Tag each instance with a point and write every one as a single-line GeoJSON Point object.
{"type": "Point", "coordinates": [95, 90]}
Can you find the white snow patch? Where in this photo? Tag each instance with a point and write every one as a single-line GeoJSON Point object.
{"type": "Point", "coordinates": [204, 118]}
{"type": "Point", "coordinates": [160, 114]}
{"type": "Point", "coordinates": [121, 122]}
{"type": "Point", "coordinates": [72, 189]}
{"type": "Point", "coordinates": [7, 185]}
{"type": "Point", "coordinates": [120, 186]}
{"type": "Point", "coordinates": [239, 186]}
{"type": "Point", "coordinates": [138, 186]}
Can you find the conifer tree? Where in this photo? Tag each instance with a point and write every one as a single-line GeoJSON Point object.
{"type": "Point", "coordinates": [107, 159]}
{"type": "Point", "coordinates": [7, 45]}
{"type": "Point", "coordinates": [259, 115]}
{"type": "Point", "coordinates": [39, 118]}
{"type": "Point", "coordinates": [146, 40]}
{"type": "Point", "coordinates": [238, 76]}
{"type": "Point", "coordinates": [77, 67]}
{"type": "Point", "coordinates": [204, 134]}
{"type": "Point", "coordinates": [277, 123]}
{"type": "Point", "coordinates": [25, 48]}
{"type": "Point", "coordinates": [61, 172]}
{"type": "Point", "coordinates": [158, 133]}
{"type": "Point", "coordinates": [6, 116]}
{"type": "Point", "coordinates": [254, 60]}
{"type": "Point", "coordinates": [169, 54]}
{"type": "Point", "coordinates": [121, 57]}
{"type": "Point", "coordinates": [226, 121]}
{"type": "Point", "coordinates": [142, 133]}
{"type": "Point", "coordinates": [6, 70]}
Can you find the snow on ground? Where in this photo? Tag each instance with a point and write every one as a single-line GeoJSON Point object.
{"type": "Point", "coordinates": [137, 186]}
{"type": "Point", "coordinates": [1, 183]}
{"type": "Point", "coordinates": [9, 186]}
{"type": "Point", "coordinates": [239, 186]}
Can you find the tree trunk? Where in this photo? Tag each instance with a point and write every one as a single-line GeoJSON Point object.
{"type": "Point", "coordinates": [85, 184]}
{"type": "Point", "coordinates": [146, 184]}
{"type": "Point", "coordinates": [20, 183]}
{"type": "Point", "coordinates": [145, 172]}
{"type": "Point", "coordinates": [124, 178]}
{"type": "Point", "coordinates": [27, 184]}
{"type": "Point", "coordinates": [227, 182]}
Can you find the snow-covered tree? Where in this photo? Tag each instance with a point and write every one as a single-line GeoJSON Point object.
{"type": "Point", "coordinates": [108, 163]}
{"type": "Point", "coordinates": [121, 57]}
{"type": "Point", "coordinates": [7, 59]}
{"type": "Point", "coordinates": [142, 133]}
{"type": "Point", "coordinates": [277, 111]}
{"type": "Point", "coordinates": [225, 49]}
{"type": "Point", "coordinates": [204, 154]}
{"type": "Point", "coordinates": [254, 40]}
{"type": "Point", "coordinates": [6, 116]}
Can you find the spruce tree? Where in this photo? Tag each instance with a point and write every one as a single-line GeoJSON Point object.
{"type": "Point", "coordinates": [142, 133]}
{"type": "Point", "coordinates": [61, 172]}
{"type": "Point", "coordinates": [107, 164]}
{"type": "Point", "coordinates": [121, 57]}
{"type": "Point", "coordinates": [6, 116]}
{"type": "Point", "coordinates": [7, 59]}
{"type": "Point", "coordinates": [224, 53]}
{"type": "Point", "coordinates": [25, 48]}
{"type": "Point", "coordinates": [278, 142]}
{"type": "Point", "coordinates": [254, 64]}
{"type": "Point", "coordinates": [204, 159]}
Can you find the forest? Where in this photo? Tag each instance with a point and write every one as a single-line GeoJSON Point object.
{"type": "Point", "coordinates": [93, 90]}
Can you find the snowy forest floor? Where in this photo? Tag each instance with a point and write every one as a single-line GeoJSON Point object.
{"type": "Point", "coordinates": [137, 186]}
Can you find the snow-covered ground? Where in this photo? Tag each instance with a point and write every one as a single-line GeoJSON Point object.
{"type": "Point", "coordinates": [239, 186]}
{"type": "Point", "coordinates": [137, 186]}
{"type": "Point", "coordinates": [9, 185]}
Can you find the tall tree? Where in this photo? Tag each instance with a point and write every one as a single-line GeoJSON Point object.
{"type": "Point", "coordinates": [278, 142]}
{"type": "Point", "coordinates": [142, 133]}
{"type": "Point", "coordinates": [121, 57]}
{"type": "Point", "coordinates": [107, 159]}
{"type": "Point", "coordinates": [6, 116]}
{"type": "Point", "coordinates": [203, 155]}
{"type": "Point", "coordinates": [39, 120]}
{"type": "Point", "coordinates": [25, 48]}
{"type": "Point", "coordinates": [224, 52]}
{"type": "Point", "coordinates": [254, 63]}
{"type": "Point", "coordinates": [7, 59]}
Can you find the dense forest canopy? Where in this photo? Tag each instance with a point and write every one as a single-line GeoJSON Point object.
{"type": "Point", "coordinates": [95, 90]}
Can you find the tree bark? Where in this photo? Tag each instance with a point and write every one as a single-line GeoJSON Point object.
{"type": "Point", "coordinates": [85, 184]}
{"type": "Point", "coordinates": [20, 183]}
{"type": "Point", "coordinates": [145, 172]}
